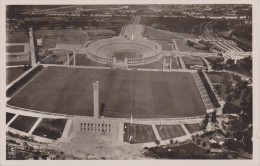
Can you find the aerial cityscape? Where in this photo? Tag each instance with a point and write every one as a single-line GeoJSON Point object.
{"type": "Point", "coordinates": [113, 82]}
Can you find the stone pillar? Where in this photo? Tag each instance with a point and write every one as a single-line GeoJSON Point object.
{"type": "Point", "coordinates": [68, 59]}
{"type": "Point", "coordinates": [171, 64]}
{"type": "Point", "coordinates": [126, 62]}
{"type": "Point", "coordinates": [163, 63]}
{"type": "Point", "coordinates": [114, 60]}
{"type": "Point", "coordinates": [74, 58]}
{"type": "Point", "coordinates": [96, 99]}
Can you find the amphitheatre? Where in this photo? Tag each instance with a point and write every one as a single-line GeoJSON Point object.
{"type": "Point", "coordinates": [135, 105]}
{"type": "Point", "coordinates": [136, 51]}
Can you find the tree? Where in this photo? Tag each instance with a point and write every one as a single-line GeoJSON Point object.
{"type": "Point", "coordinates": [157, 142]}
{"type": "Point", "coordinates": [231, 108]}
{"type": "Point", "coordinates": [171, 142]}
{"type": "Point", "coordinates": [214, 117]}
{"type": "Point", "coordinates": [206, 121]}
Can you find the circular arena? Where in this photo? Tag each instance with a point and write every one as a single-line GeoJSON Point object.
{"type": "Point", "coordinates": [120, 49]}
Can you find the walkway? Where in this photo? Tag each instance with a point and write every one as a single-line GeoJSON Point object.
{"type": "Point", "coordinates": [32, 48]}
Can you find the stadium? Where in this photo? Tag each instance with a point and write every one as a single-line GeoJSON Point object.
{"type": "Point", "coordinates": [130, 51]}
{"type": "Point", "coordinates": [161, 103]}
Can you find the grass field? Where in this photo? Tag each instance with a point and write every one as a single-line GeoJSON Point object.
{"type": "Point", "coordinates": [164, 44]}
{"type": "Point", "coordinates": [192, 60]}
{"type": "Point", "coordinates": [13, 73]}
{"type": "Point", "coordinates": [146, 94]}
{"type": "Point", "coordinates": [83, 60]}
{"type": "Point", "coordinates": [140, 133]}
{"type": "Point", "coordinates": [183, 46]}
{"type": "Point", "coordinates": [121, 55]}
{"type": "Point", "coordinates": [9, 116]}
{"type": "Point", "coordinates": [159, 34]}
{"type": "Point", "coordinates": [17, 37]}
{"type": "Point", "coordinates": [23, 123]}
{"type": "Point", "coordinates": [50, 128]}
{"type": "Point", "coordinates": [158, 64]}
{"type": "Point", "coordinates": [170, 131]}
{"type": "Point", "coordinates": [193, 128]}
{"type": "Point", "coordinates": [15, 48]}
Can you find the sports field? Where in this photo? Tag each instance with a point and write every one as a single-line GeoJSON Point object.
{"type": "Point", "coordinates": [145, 94]}
{"type": "Point", "coordinates": [122, 54]}
{"type": "Point", "coordinates": [14, 48]}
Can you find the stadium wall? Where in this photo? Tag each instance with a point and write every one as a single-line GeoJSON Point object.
{"type": "Point", "coordinates": [17, 85]}
{"type": "Point", "coordinates": [210, 91]}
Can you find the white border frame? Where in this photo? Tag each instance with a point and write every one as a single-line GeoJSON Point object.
{"type": "Point", "coordinates": [256, 83]}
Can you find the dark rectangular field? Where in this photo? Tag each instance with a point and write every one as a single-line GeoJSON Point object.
{"type": "Point", "coordinates": [145, 94]}
{"type": "Point", "coordinates": [170, 131]}
{"type": "Point", "coordinates": [193, 128]}
{"type": "Point", "coordinates": [121, 55]}
{"type": "Point", "coordinates": [23, 123]}
{"type": "Point", "coordinates": [14, 48]}
{"type": "Point", "coordinates": [138, 133]}
{"type": "Point", "coordinates": [50, 128]}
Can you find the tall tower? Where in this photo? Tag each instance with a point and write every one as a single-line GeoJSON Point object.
{"type": "Point", "coordinates": [96, 99]}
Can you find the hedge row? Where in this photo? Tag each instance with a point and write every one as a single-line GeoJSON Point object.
{"type": "Point", "coordinates": [17, 85]}
{"type": "Point", "coordinates": [211, 94]}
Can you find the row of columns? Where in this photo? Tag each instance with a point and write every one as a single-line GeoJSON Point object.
{"type": "Point", "coordinates": [74, 59]}
{"type": "Point", "coordinates": [164, 64]}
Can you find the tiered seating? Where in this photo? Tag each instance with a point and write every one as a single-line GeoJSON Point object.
{"type": "Point", "coordinates": [203, 91]}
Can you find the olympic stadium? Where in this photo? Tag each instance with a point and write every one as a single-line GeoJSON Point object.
{"type": "Point", "coordinates": [100, 98]}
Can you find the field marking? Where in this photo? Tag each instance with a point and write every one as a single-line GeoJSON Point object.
{"type": "Point", "coordinates": [11, 121]}
{"type": "Point", "coordinates": [45, 69]}
{"type": "Point", "coordinates": [157, 135]}
{"type": "Point", "coordinates": [185, 130]}
{"type": "Point", "coordinates": [35, 125]}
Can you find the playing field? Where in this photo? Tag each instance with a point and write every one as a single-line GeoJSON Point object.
{"type": "Point", "coordinates": [14, 48]}
{"type": "Point", "coordinates": [122, 54]}
{"type": "Point", "coordinates": [145, 94]}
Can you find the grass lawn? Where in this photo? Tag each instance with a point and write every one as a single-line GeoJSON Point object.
{"type": "Point", "coordinates": [9, 116]}
{"type": "Point", "coordinates": [193, 128]}
{"type": "Point", "coordinates": [170, 131]}
{"type": "Point", "coordinates": [55, 59]}
{"type": "Point", "coordinates": [158, 64]}
{"type": "Point", "coordinates": [23, 123]}
{"type": "Point", "coordinates": [193, 61]}
{"type": "Point", "coordinates": [165, 45]}
{"type": "Point", "coordinates": [145, 94]}
{"type": "Point", "coordinates": [13, 73]}
{"type": "Point", "coordinates": [140, 133]}
{"type": "Point", "coordinates": [83, 60]}
{"type": "Point", "coordinates": [121, 55]}
{"type": "Point", "coordinates": [50, 128]}
{"type": "Point", "coordinates": [14, 48]}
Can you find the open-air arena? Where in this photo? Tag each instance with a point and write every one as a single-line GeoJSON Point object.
{"type": "Point", "coordinates": [165, 102]}
{"type": "Point", "coordinates": [132, 51]}
{"type": "Point", "coordinates": [143, 94]}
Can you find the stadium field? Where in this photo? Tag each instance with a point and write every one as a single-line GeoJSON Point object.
{"type": "Point", "coordinates": [138, 133]}
{"type": "Point", "coordinates": [193, 128]}
{"type": "Point", "coordinates": [14, 73]}
{"type": "Point", "coordinates": [170, 131]}
{"type": "Point", "coordinates": [14, 48]}
{"type": "Point", "coordinates": [9, 116]}
{"type": "Point", "coordinates": [50, 128]}
{"type": "Point", "coordinates": [121, 55]}
{"type": "Point", "coordinates": [23, 123]}
{"type": "Point", "coordinates": [145, 94]}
